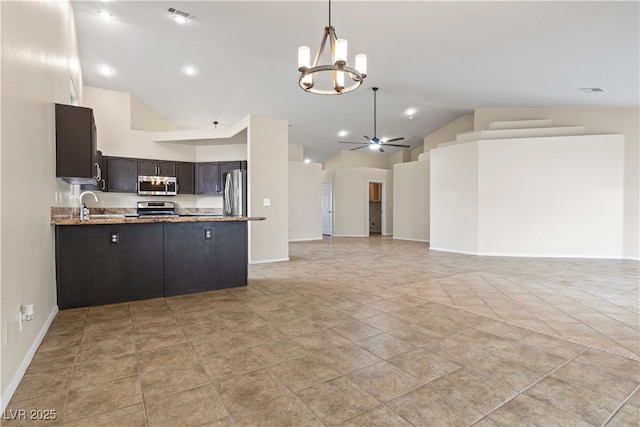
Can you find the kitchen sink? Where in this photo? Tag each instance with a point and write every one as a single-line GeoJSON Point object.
{"type": "Point", "coordinates": [96, 216]}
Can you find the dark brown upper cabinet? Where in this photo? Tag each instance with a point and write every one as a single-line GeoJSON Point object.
{"type": "Point", "coordinates": [207, 178]}
{"type": "Point", "coordinates": [101, 185]}
{"type": "Point", "coordinates": [185, 172]}
{"type": "Point", "coordinates": [156, 167]}
{"type": "Point", "coordinates": [76, 145]}
{"type": "Point", "coordinates": [123, 174]}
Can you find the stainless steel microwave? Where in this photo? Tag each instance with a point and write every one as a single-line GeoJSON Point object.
{"type": "Point", "coordinates": [157, 185]}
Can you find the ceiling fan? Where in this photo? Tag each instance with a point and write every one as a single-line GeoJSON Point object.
{"type": "Point", "coordinates": [375, 143]}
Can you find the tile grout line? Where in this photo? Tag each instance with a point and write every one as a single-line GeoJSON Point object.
{"type": "Point", "coordinates": [613, 414]}
{"type": "Point", "coordinates": [521, 392]}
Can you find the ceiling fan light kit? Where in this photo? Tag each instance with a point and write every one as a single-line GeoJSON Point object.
{"type": "Point", "coordinates": [375, 143]}
{"type": "Point", "coordinates": [309, 72]}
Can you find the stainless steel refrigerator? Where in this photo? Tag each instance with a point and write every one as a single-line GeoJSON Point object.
{"type": "Point", "coordinates": [235, 193]}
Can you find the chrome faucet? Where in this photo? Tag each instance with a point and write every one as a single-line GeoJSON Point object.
{"type": "Point", "coordinates": [84, 210]}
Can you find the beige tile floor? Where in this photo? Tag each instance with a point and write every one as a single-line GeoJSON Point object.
{"type": "Point", "coordinates": [356, 332]}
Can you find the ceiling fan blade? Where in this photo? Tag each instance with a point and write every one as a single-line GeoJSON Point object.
{"type": "Point", "coordinates": [349, 142]}
{"type": "Point", "coordinates": [394, 139]}
{"type": "Point", "coordinates": [366, 137]}
{"type": "Point", "coordinates": [395, 145]}
{"type": "Point", "coordinates": [357, 148]}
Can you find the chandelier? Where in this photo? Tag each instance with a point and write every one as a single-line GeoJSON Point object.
{"type": "Point", "coordinates": [309, 72]}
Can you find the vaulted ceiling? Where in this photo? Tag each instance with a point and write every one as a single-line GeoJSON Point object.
{"type": "Point", "coordinates": [441, 58]}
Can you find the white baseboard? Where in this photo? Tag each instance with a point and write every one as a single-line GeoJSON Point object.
{"type": "Point", "coordinates": [526, 255]}
{"type": "Point", "coordinates": [305, 240]}
{"type": "Point", "coordinates": [350, 235]}
{"type": "Point", "coordinates": [431, 248]}
{"type": "Point", "coordinates": [266, 261]}
{"type": "Point", "coordinates": [17, 377]}
{"type": "Point", "coordinates": [411, 240]}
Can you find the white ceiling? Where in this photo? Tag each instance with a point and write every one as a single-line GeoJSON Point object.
{"type": "Point", "coordinates": [442, 58]}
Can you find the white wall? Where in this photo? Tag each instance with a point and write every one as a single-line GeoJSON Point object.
{"type": "Point", "coordinates": [556, 196]}
{"type": "Point", "coordinates": [411, 196]}
{"type": "Point", "coordinates": [351, 199]}
{"type": "Point", "coordinates": [296, 152]}
{"type": "Point", "coordinates": [305, 201]}
{"type": "Point", "coordinates": [112, 111]}
{"type": "Point", "coordinates": [357, 159]}
{"type": "Point", "coordinates": [560, 197]}
{"type": "Point", "coordinates": [39, 58]}
{"type": "Point", "coordinates": [144, 117]}
{"type": "Point", "coordinates": [268, 164]}
{"type": "Point", "coordinates": [624, 121]}
{"type": "Point", "coordinates": [448, 132]}
{"type": "Point", "coordinates": [454, 198]}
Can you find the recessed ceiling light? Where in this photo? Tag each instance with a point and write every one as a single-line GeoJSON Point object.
{"type": "Point", "coordinates": [410, 111]}
{"type": "Point", "coordinates": [590, 89]}
{"type": "Point", "coordinates": [105, 14]}
{"type": "Point", "coordinates": [190, 70]}
{"type": "Point", "coordinates": [105, 70]}
{"type": "Point", "coordinates": [180, 16]}
{"type": "Point", "coordinates": [307, 161]}
{"type": "Point", "coordinates": [343, 133]}
{"type": "Point", "coordinates": [180, 19]}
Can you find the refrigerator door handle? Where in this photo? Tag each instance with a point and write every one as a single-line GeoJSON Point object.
{"type": "Point", "coordinates": [227, 195]}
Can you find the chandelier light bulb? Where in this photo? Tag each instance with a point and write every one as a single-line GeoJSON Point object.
{"type": "Point", "coordinates": [361, 64]}
{"type": "Point", "coordinates": [307, 81]}
{"type": "Point", "coordinates": [374, 146]}
{"type": "Point", "coordinates": [339, 80]}
{"type": "Point", "coordinates": [304, 57]}
{"type": "Point", "coordinates": [341, 52]}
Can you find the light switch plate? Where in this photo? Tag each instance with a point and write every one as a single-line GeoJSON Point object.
{"type": "Point", "coordinates": [266, 202]}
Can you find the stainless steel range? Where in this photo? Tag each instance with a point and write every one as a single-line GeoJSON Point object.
{"type": "Point", "coordinates": [157, 209]}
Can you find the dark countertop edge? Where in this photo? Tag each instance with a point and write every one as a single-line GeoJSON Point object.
{"type": "Point", "coordinates": [136, 220]}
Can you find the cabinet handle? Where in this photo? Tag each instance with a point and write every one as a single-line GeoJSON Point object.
{"type": "Point", "coordinates": [98, 175]}
{"type": "Point", "coordinates": [104, 184]}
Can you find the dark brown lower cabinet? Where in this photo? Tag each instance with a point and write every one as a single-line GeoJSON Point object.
{"type": "Point", "coordinates": [105, 264]}
{"type": "Point", "coordinates": [203, 256]}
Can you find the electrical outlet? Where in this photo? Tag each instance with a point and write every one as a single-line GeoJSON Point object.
{"type": "Point", "coordinates": [266, 202]}
{"type": "Point", "coordinates": [114, 237]}
{"type": "Point", "coordinates": [207, 234]}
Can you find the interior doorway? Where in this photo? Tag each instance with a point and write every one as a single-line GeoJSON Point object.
{"type": "Point", "coordinates": [327, 208]}
{"type": "Point", "coordinates": [376, 213]}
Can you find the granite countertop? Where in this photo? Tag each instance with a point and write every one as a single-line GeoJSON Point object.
{"type": "Point", "coordinates": [71, 216]}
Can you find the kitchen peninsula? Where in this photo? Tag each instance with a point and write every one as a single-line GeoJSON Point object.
{"type": "Point", "coordinates": [112, 257]}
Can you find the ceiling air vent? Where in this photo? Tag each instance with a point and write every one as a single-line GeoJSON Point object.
{"type": "Point", "coordinates": [591, 89]}
{"type": "Point", "coordinates": [180, 14]}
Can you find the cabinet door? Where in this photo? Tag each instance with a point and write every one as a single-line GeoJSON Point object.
{"type": "Point", "coordinates": [101, 167]}
{"type": "Point", "coordinates": [206, 178]}
{"type": "Point", "coordinates": [232, 253]}
{"type": "Point", "coordinates": [123, 175]}
{"type": "Point", "coordinates": [204, 256]}
{"type": "Point", "coordinates": [76, 148]}
{"type": "Point", "coordinates": [91, 269]}
{"type": "Point", "coordinates": [225, 167]}
{"type": "Point", "coordinates": [166, 168]}
{"type": "Point", "coordinates": [147, 167]}
{"type": "Point", "coordinates": [185, 177]}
